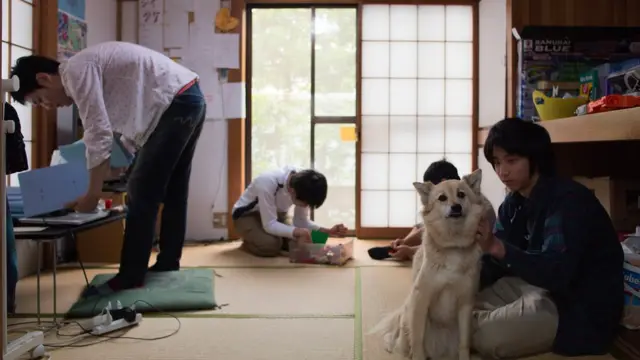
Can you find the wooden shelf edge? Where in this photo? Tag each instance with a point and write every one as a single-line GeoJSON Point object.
{"type": "Point", "coordinates": [619, 125]}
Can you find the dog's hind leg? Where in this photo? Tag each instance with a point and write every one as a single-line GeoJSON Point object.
{"type": "Point", "coordinates": [464, 326]}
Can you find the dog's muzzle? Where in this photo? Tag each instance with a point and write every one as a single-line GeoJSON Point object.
{"type": "Point", "coordinates": [455, 211]}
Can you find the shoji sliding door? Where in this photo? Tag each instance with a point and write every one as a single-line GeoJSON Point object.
{"type": "Point", "coordinates": [416, 83]}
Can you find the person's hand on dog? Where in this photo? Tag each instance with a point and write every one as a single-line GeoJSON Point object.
{"type": "Point", "coordinates": [401, 252]}
{"type": "Point", "coordinates": [338, 230]}
{"type": "Point", "coordinates": [302, 235]}
{"type": "Point", "coordinates": [487, 241]}
{"type": "Point", "coordinates": [84, 204]}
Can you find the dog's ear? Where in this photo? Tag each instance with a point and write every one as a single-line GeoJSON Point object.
{"type": "Point", "coordinates": [423, 189]}
{"type": "Point", "coordinates": [474, 180]}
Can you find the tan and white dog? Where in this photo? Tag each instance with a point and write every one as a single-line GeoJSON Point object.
{"type": "Point", "coordinates": [435, 320]}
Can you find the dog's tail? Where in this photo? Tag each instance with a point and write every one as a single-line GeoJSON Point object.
{"type": "Point", "coordinates": [389, 323]}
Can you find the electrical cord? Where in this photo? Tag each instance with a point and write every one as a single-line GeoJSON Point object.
{"type": "Point", "coordinates": [86, 279]}
{"type": "Point", "coordinates": [84, 333]}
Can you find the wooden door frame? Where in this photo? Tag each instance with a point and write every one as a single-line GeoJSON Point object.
{"type": "Point", "coordinates": [236, 130]}
{"type": "Point", "coordinates": [314, 119]}
{"type": "Point", "coordinates": [44, 127]}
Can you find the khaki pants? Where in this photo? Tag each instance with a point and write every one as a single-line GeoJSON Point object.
{"type": "Point", "coordinates": [255, 240]}
{"type": "Point", "coordinates": [513, 319]}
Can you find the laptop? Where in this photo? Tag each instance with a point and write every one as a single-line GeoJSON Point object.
{"type": "Point", "coordinates": [45, 191]}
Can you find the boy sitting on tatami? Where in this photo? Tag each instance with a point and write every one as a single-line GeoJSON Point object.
{"type": "Point", "coordinates": [405, 248]}
{"type": "Point", "coordinates": [260, 215]}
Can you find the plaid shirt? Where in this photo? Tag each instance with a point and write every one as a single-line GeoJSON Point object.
{"type": "Point", "coordinates": [561, 239]}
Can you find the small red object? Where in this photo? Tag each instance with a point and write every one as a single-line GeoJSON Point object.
{"type": "Point", "coordinates": [108, 203]}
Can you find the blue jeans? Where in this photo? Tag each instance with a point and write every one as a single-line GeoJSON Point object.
{"type": "Point", "coordinates": [160, 175]}
{"type": "Point", "coordinates": [12, 263]}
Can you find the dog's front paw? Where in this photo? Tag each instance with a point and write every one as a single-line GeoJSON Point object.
{"type": "Point", "coordinates": [403, 344]}
{"type": "Point", "coordinates": [389, 342]}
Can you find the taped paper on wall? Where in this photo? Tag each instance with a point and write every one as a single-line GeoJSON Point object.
{"type": "Point", "coordinates": [176, 24]}
{"type": "Point", "coordinates": [150, 12]}
{"type": "Point", "coordinates": [225, 101]}
{"type": "Point", "coordinates": [205, 11]}
{"type": "Point", "coordinates": [233, 100]}
{"type": "Point", "coordinates": [212, 90]}
{"type": "Point", "coordinates": [225, 52]}
{"type": "Point", "coordinates": [151, 37]}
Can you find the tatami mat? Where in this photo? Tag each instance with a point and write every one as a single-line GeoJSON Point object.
{"type": "Point", "coordinates": [228, 254]}
{"type": "Point", "coordinates": [274, 311]}
{"type": "Point", "coordinates": [322, 291]}
{"type": "Point", "coordinates": [229, 339]}
{"type": "Point", "coordinates": [383, 290]}
{"type": "Point", "coordinates": [69, 285]}
{"type": "Point", "coordinates": [261, 291]}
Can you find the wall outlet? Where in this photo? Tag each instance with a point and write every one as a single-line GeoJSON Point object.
{"type": "Point", "coordinates": [219, 220]}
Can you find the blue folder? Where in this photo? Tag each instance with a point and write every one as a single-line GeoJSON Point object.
{"type": "Point", "coordinates": [76, 152]}
{"type": "Point", "coordinates": [46, 190]}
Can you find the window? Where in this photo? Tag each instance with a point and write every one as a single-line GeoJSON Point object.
{"type": "Point", "coordinates": [416, 104]}
{"type": "Point", "coordinates": [17, 41]}
{"type": "Point", "coordinates": [303, 90]}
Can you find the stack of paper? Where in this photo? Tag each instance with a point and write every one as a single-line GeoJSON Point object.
{"type": "Point", "coordinates": [76, 153]}
{"type": "Point", "coordinates": [48, 189]}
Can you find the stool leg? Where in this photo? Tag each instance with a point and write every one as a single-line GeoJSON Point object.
{"type": "Point", "coordinates": [55, 287]}
{"type": "Point", "coordinates": [39, 255]}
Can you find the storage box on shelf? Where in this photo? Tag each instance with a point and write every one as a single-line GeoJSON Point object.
{"type": "Point", "coordinates": [620, 197]}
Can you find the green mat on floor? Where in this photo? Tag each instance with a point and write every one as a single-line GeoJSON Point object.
{"type": "Point", "coordinates": [189, 289]}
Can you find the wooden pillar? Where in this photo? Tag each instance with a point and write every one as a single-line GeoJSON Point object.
{"type": "Point", "coordinates": [2, 250]}
{"type": "Point", "coordinates": [46, 44]}
{"type": "Point", "coordinates": [236, 127]}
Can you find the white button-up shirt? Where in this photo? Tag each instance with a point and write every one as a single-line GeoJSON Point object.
{"type": "Point", "coordinates": [272, 191]}
{"type": "Point", "coordinates": [120, 87]}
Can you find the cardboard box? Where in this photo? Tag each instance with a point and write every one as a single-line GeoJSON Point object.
{"type": "Point", "coordinates": [559, 55]}
{"type": "Point", "coordinates": [620, 198]}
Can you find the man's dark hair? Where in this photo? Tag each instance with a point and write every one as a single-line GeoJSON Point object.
{"type": "Point", "coordinates": [523, 138]}
{"type": "Point", "coordinates": [440, 170]}
{"type": "Point", "coordinates": [26, 69]}
{"type": "Point", "coordinates": [310, 187]}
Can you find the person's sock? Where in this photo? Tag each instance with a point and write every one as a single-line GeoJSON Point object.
{"type": "Point", "coordinates": [380, 253]}
{"type": "Point", "coordinates": [113, 285]}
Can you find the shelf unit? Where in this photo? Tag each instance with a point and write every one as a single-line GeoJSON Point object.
{"type": "Point", "coordinates": [619, 125]}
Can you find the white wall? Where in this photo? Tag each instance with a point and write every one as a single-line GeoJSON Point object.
{"type": "Point", "coordinates": [492, 84]}
{"type": "Point", "coordinates": [101, 17]}
{"type": "Point", "coordinates": [208, 187]}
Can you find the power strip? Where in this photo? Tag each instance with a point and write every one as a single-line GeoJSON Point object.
{"type": "Point", "coordinates": [115, 325]}
{"type": "Point", "coordinates": [31, 343]}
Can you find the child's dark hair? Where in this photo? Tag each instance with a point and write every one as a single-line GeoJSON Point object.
{"type": "Point", "coordinates": [26, 69]}
{"type": "Point", "coordinates": [310, 187]}
{"type": "Point", "coordinates": [440, 170]}
{"type": "Point", "coordinates": [523, 138]}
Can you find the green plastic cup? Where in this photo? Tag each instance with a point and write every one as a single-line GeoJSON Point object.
{"type": "Point", "coordinates": [319, 237]}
